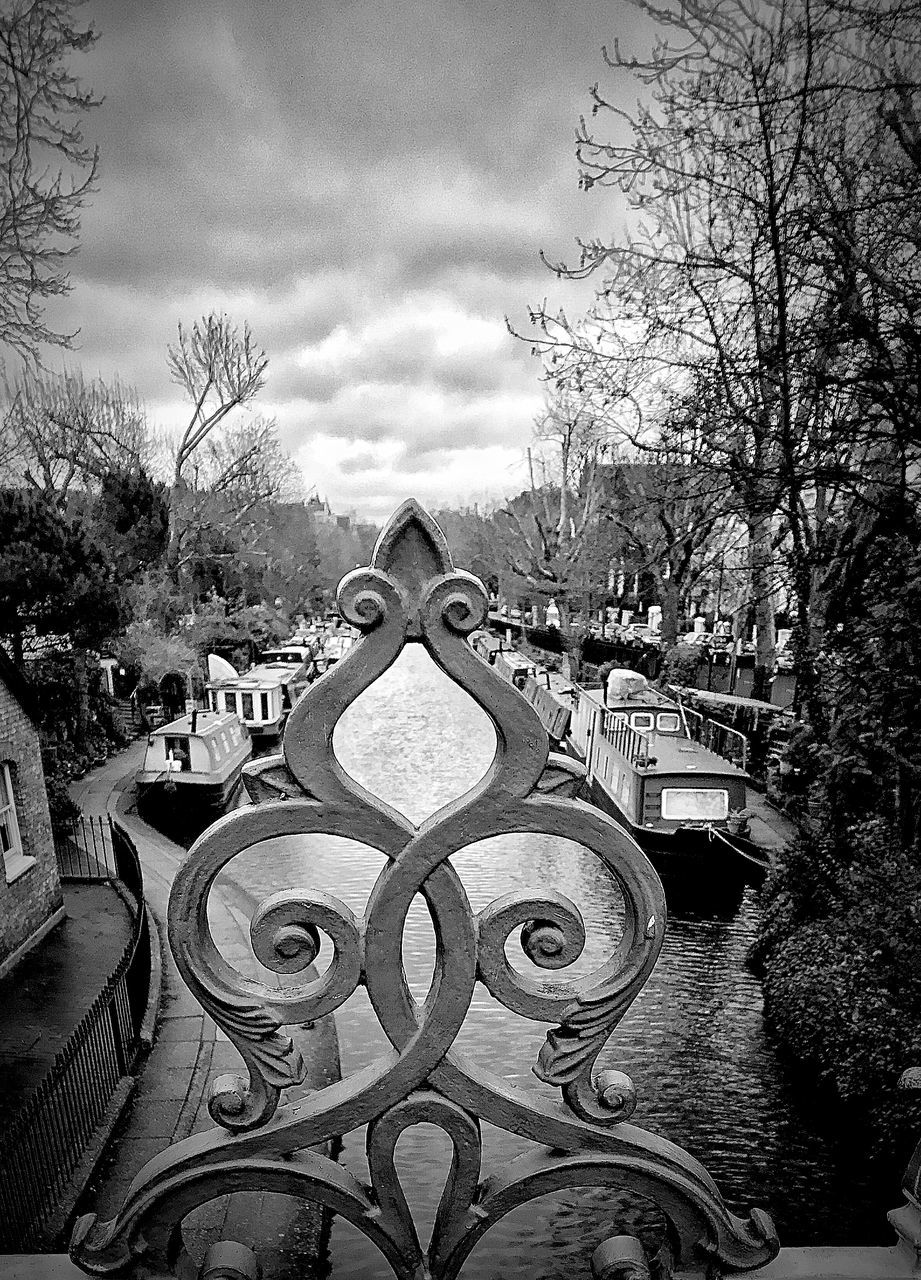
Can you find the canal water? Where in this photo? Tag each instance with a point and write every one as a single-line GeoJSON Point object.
{"type": "Point", "coordinates": [694, 1042]}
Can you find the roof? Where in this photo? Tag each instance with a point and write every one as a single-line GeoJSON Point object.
{"type": "Point", "coordinates": [208, 722]}
{"type": "Point", "coordinates": [19, 687]}
{"type": "Point", "coordinates": [674, 754]}
{"type": "Point", "coordinates": [641, 700]}
{"type": "Point", "coordinates": [267, 675]}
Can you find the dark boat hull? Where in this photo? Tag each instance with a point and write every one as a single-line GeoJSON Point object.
{"type": "Point", "coordinates": [188, 800]}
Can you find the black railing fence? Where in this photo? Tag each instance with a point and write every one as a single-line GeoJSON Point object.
{"type": "Point", "coordinates": [45, 1141]}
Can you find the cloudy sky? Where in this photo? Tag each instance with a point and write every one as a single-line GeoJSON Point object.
{"type": "Point", "coordinates": [369, 186]}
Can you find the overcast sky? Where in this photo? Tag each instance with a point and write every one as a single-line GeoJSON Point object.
{"type": "Point", "coordinates": [369, 186]}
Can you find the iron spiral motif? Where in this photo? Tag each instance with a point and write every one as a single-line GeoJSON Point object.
{"type": "Point", "coordinates": [580, 1135]}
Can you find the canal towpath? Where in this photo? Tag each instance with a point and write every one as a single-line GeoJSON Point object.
{"type": "Point", "coordinates": [170, 1100]}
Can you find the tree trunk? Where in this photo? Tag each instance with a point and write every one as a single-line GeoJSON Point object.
{"type": "Point", "coordinates": [670, 596]}
{"type": "Point", "coordinates": [761, 569]}
{"type": "Point", "coordinates": [174, 546]}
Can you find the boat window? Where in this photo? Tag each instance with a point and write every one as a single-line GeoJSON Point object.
{"type": "Point", "coordinates": [668, 722]}
{"type": "Point", "coordinates": [230, 702]}
{"type": "Point", "coordinates": [264, 698]}
{"type": "Point", "coordinates": [247, 705]}
{"type": "Point", "coordinates": [696, 804]}
{"type": "Point", "coordinates": [213, 697]}
{"type": "Point", "coordinates": [178, 759]}
{"type": "Point", "coordinates": [642, 720]}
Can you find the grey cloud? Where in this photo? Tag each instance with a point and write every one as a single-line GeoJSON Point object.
{"type": "Point", "coordinates": [310, 168]}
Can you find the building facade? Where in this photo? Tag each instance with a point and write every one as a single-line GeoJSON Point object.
{"type": "Point", "coordinates": [31, 902]}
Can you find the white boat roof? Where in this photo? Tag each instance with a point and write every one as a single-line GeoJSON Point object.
{"type": "Point", "coordinates": [267, 675]}
{"type": "Point", "coordinates": [206, 725]}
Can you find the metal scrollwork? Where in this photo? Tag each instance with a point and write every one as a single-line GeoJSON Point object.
{"type": "Point", "coordinates": [412, 593]}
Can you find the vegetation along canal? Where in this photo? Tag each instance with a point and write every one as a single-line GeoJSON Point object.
{"type": "Point", "coordinates": [694, 1042]}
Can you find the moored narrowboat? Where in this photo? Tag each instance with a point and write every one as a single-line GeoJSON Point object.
{"type": "Point", "coordinates": [683, 803]}
{"type": "Point", "coordinates": [678, 799]}
{"type": "Point", "coordinates": [194, 764]}
{"type": "Point", "coordinates": [262, 697]}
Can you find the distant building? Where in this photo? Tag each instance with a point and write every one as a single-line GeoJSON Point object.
{"type": "Point", "coordinates": [319, 510]}
{"type": "Point", "coordinates": [31, 903]}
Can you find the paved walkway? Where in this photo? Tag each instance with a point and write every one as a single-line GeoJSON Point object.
{"type": "Point", "coordinates": [44, 1000]}
{"type": "Point", "coordinates": [170, 1101]}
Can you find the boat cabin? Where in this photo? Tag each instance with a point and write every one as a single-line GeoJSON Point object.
{"type": "Point", "coordinates": [204, 750]}
{"type": "Point", "coordinates": [261, 698]}
{"type": "Point", "coordinates": [514, 667]}
{"type": "Point", "coordinates": [294, 655]}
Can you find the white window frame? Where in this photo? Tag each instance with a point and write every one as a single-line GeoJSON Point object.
{"type": "Point", "coordinates": [669, 792]}
{"type": "Point", "coordinates": [15, 862]}
{"type": "Point", "coordinates": [670, 715]}
{"type": "Point", "coordinates": [642, 728]}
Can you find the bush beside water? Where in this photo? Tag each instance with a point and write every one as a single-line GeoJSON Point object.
{"type": "Point", "coordinates": [839, 955]}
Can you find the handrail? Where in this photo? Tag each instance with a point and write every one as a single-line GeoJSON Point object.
{"type": "Point", "coordinates": [631, 743]}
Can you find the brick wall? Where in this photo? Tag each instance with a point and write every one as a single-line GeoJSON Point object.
{"type": "Point", "coordinates": [35, 895]}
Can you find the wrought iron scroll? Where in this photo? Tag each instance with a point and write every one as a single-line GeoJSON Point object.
{"type": "Point", "coordinates": [580, 1129]}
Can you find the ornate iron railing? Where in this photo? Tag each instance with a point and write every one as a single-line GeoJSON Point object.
{"type": "Point", "coordinates": [577, 1119]}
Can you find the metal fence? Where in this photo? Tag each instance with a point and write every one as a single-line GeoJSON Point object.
{"type": "Point", "coordinates": [45, 1141]}
{"type": "Point", "coordinates": [91, 848]}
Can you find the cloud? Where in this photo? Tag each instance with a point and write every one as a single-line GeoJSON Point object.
{"type": "Point", "coordinates": [369, 186]}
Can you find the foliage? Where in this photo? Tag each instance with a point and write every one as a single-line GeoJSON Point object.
{"type": "Point", "coordinates": [131, 516]}
{"type": "Point", "coordinates": [237, 634]}
{"type": "Point", "coordinates": [839, 945]}
{"type": "Point", "coordinates": [680, 665]}
{"type": "Point", "coordinates": [53, 574]}
{"type": "Point", "coordinates": [840, 959]}
{"type": "Point", "coordinates": [154, 654]}
{"type": "Point", "coordinates": [75, 720]}
{"type": "Point", "coordinates": [41, 106]}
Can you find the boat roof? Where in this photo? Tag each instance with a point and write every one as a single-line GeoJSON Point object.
{"type": "Point", "coordinates": [684, 756]}
{"type": "Point", "coordinates": [267, 675]}
{"type": "Point", "coordinates": [207, 723]}
{"type": "Point", "coordinates": [516, 659]}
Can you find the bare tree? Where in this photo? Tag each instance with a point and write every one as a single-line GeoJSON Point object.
{"type": "Point", "coordinates": [220, 369]}
{"type": "Point", "coordinates": [666, 515]}
{"type": "Point", "coordinates": [41, 106]}
{"type": "Point", "coordinates": [63, 430]}
{"type": "Point", "coordinates": [772, 258]}
{"type": "Point", "coordinates": [547, 530]}
{"type": "Point", "coordinates": [232, 480]}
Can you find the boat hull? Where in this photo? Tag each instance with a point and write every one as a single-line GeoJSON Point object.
{"type": "Point", "coordinates": [178, 797]}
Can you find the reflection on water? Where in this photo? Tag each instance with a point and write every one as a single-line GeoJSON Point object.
{"type": "Point", "coordinates": [694, 1041]}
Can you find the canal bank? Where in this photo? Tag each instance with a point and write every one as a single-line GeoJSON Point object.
{"type": "Point", "coordinates": [169, 1102]}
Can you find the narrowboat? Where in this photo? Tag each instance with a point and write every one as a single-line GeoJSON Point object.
{"type": "Point", "coordinates": [193, 765]}
{"type": "Point", "coordinates": [261, 698]}
{"type": "Point", "coordinates": [675, 797]}
{"type": "Point", "coordinates": [683, 803]}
